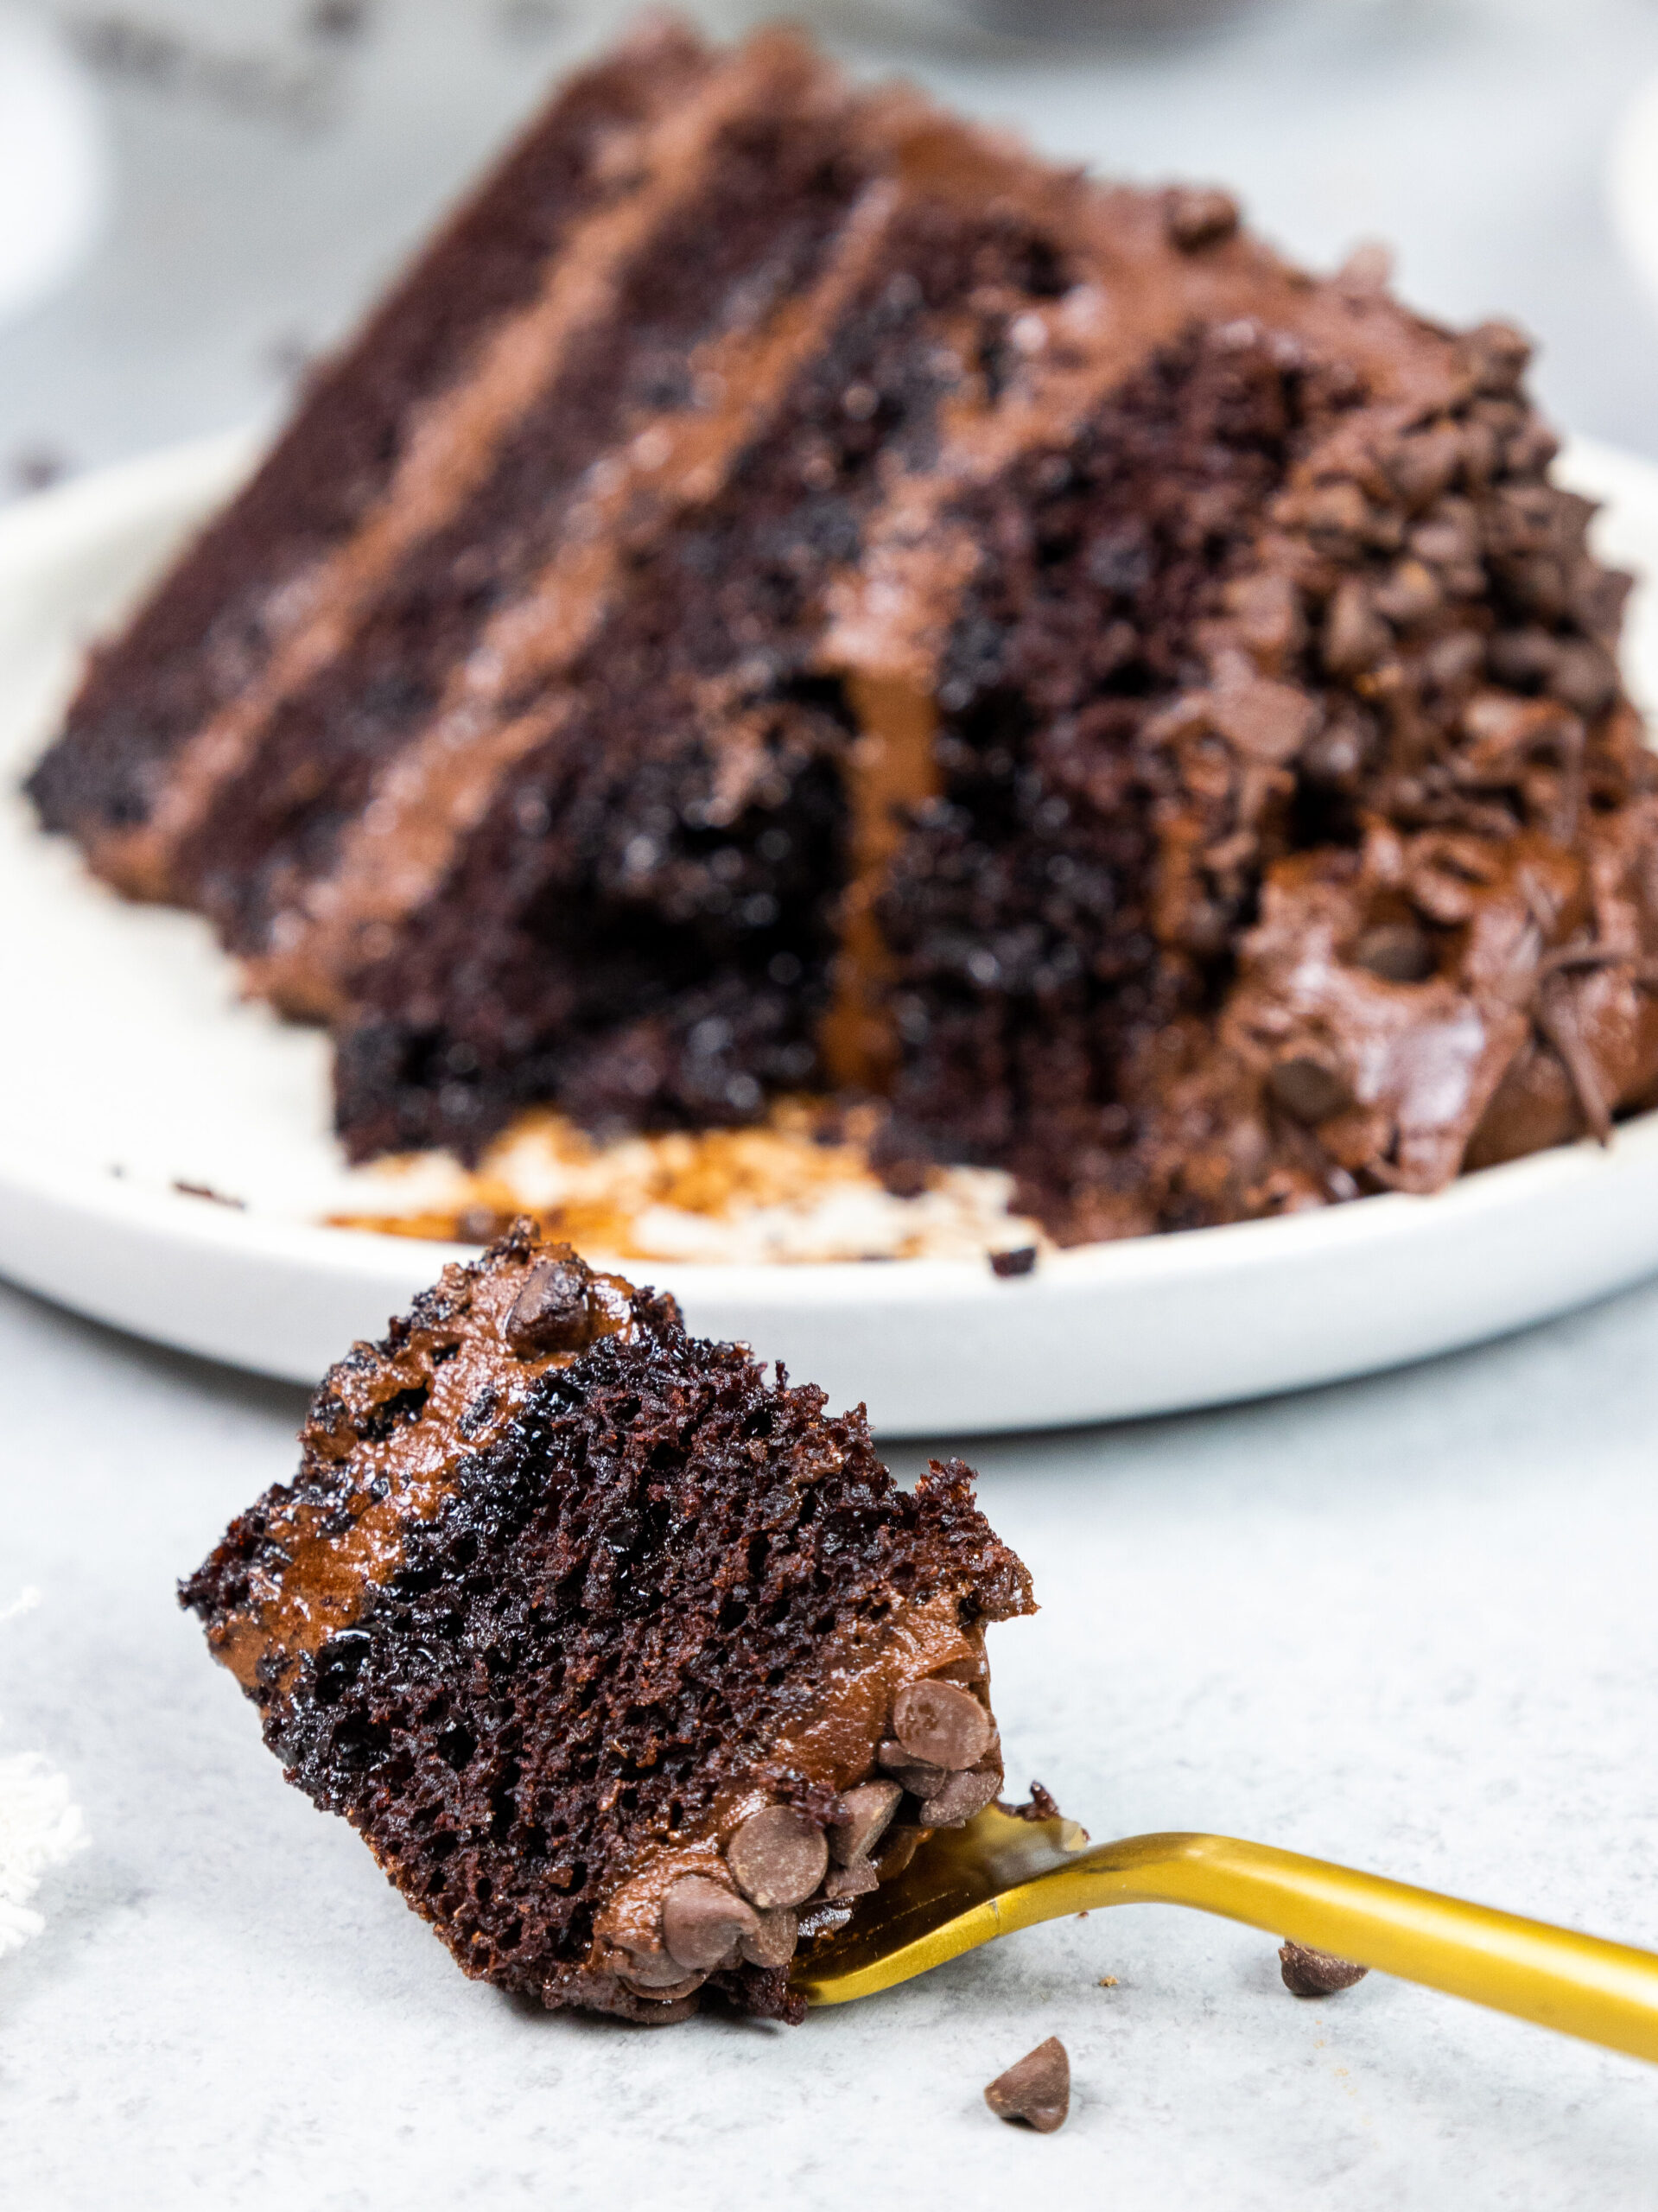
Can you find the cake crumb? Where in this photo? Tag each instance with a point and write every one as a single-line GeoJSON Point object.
{"type": "Point", "coordinates": [1022, 1262]}
{"type": "Point", "coordinates": [1042, 1806]}
{"type": "Point", "coordinates": [206, 1190]}
{"type": "Point", "coordinates": [1106, 1981]}
{"type": "Point", "coordinates": [1035, 2092]}
{"type": "Point", "coordinates": [1308, 1973]}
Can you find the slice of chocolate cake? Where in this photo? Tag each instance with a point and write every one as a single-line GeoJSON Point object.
{"type": "Point", "coordinates": [831, 604]}
{"type": "Point", "coordinates": [633, 1666]}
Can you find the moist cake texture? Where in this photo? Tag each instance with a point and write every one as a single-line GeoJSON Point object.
{"type": "Point", "coordinates": [793, 595]}
{"type": "Point", "coordinates": [632, 1666]}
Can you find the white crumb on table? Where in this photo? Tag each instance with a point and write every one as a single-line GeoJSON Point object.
{"type": "Point", "coordinates": [40, 1825]}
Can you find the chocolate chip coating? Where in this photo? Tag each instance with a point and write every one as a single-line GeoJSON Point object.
{"type": "Point", "coordinates": [1195, 216]}
{"type": "Point", "coordinates": [1308, 1973]}
{"type": "Point", "coordinates": [1307, 1089]}
{"type": "Point", "coordinates": [550, 1313]}
{"type": "Point", "coordinates": [962, 1796]}
{"type": "Point", "coordinates": [920, 1777]}
{"type": "Point", "coordinates": [865, 1813]}
{"type": "Point", "coordinates": [854, 1881]}
{"type": "Point", "coordinates": [653, 1970]}
{"type": "Point", "coordinates": [1037, 2090]}
{"type": "Point", "coordinates": [1397, 951]}
{"type": "Point", "coordinates": [665, 1993]}
{"type": "Point", "coordinates": [778, 1856]}
{"type": "Point", "coordinates": [703, 1922]}
{"type": "Point", "coordinates": [898, 1847]}
{"type": "Point", "coordinates": [772, 1943]}
{"type": "Point", "coordinates": [942, 1724]}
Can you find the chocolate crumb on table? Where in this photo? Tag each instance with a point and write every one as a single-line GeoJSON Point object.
{"type": "Point", "coordinates": [1036, 2091]}
{"type": "Point", "coordinates": [1308, 1973]}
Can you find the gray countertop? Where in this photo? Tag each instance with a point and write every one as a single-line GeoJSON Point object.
{"type": "Point", "coordinates": [1407, 1623]}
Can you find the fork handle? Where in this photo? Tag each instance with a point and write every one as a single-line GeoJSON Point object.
{"type": "Point", "coordinates": [1606, 1993]}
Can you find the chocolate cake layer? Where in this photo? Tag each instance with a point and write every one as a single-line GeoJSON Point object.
{"type": "Point", "coordinates": [248, 584]}
{"type": "Point", "coordinates": [701, 310]}
{"type": "Point", "coordinates": [632, 1668]}
{"type": "Point", "coordinates": [900, 620]}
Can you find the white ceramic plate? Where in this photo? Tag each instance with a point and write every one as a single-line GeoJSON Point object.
{"type": "Point", "coordinates": [126, 1049]}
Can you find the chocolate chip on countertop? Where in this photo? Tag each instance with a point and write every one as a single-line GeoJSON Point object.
{"type": "Point", "coordinates": [941, 1724]}
{"type": "Point", "coordinates": [1020, 1261]}
{"type": "Point", "coordinates": [772, 1943]}
{"type": "Point", "coordinates": [703, 1922]}
{"type": "Point", "coordinates": [865, 1813]}
{"type": "Point", "coordinates": [1307, 1089]}
{"type": "Point", "coordinates": [962, 1796]}
{"type": "Point", "coordinates": [779, 1856]}
{"type": "Point", "coordinates": [1308, 1973]}
{"type": "Point", "coordinates": [549, 1313]}
{"type": "Point", "coordinates": [1037, 2090]}
{"type": "Point", "coordinates": [1196, 215]}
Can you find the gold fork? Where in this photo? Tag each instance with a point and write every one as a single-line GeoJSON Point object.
{"type": "Point", "coordinates": [966, 1887]}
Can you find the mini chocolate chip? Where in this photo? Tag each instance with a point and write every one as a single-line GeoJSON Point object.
{"type": "Point", "coordinates": [772, 1943]}
{"type": "Point", "coordinates": [1307, 1089]}
{"type": "Point", "coordinates": [862, 1820]}
{"type": "Point", "coordinates": [550, 1311]}
{"type": "Point", "coordinates": [1037, 2090]}
{"type": "Point", "coordinates": [663, 1993]}
{"type": "Point", "coordinates": [703, 1922]}
{"type": "Point", "coordinates": [855, 1880]}
{"type": "Point", "coordinates": [1585, 676]}
{"type": "Point", "coordinates": [779, 1856]}
{"type": "Point", "coordinates": [962, 1796]}
{"type": "Point", "coordinates": [1497, 354]}
{"type": "Point", "coordinates": [653, 1970]}
{"type": "Point", "coordinates": [1397, 951]}
{"type": "Point", "coordinates": [920, 1777]}
{"type": "Point", "coordinates": [898, 1847]}
{"type": "Point", "coordinates": [906, 1178]}
{"type": "Point", "coordinates": [1196, 216]}
{"type": "Point", "coordinates": [942, 1724]}
{"type": "Point", "coordinates": [1308, 1973]}
{"type": "Point", "coordinates": [1020, 1261]}
{"type": "Point", "coordinates": [1353, 637]}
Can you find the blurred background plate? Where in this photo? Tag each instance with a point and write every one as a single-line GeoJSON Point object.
{"type": "Point", "coordinates": [132, 1065]}
{"type": "Point", "coordinates": [1632, 184]}
{"type": "Point", "coordinates": [53, 165]}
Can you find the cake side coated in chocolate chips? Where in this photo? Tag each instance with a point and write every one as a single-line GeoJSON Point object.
{"type": "Point", "coordinates": [633, 1666]}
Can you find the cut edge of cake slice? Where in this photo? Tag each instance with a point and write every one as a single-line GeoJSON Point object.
{"type": "Point", "coordinates": [634, 1668]}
